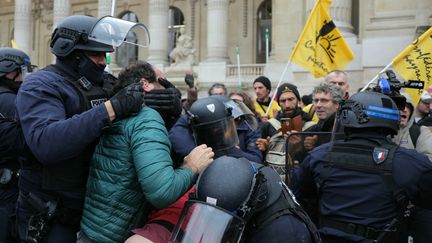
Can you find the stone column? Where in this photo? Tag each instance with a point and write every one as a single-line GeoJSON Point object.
{"type": "Point", "coordinates": [158, 28]}
{"type": "Point", "coordinates": [61, 10]}
{"type": "Point", "coordinates": [104, 8]}
{"type": "Point", "coordinates": [217, 30]}
{"type": "Point", "coordinates": [285, 31]}
{"type": "Point", "coordinates": [22, 25]}
{"type": "Point", "coordinates": [340, 12]}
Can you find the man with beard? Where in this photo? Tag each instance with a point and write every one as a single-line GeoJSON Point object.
{"type": "Point", "coordinates": [288, 99]}
{"type": "Point", "coordinates": [63, 110]}
{"type": "Point", "coordinates": [14, 66]}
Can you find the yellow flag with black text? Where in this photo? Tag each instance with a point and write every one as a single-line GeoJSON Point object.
{"type": "Point", "coordinates": [321, 47]}
{"type": "Point", "coordinates": [415, 63]}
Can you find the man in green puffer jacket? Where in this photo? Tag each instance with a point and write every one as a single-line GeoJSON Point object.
{"type": "Point", "coordinates": [132, 172]}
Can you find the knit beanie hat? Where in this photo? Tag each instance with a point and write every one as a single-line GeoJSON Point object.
{"type": "Point", "coordinates": [287, 87]}
{"type": "Point", "coordinates": [265, 81]}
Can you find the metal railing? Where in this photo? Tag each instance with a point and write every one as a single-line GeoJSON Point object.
{"type": "Point", "coordinates": [246, 70]}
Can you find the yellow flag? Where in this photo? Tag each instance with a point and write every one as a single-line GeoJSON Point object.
{"type": "Point", "coordinates": [415, 63]}
{"type": "Point", "coordinates": [13, 44]}
{"type": "Point", "coordinates": [321, 47]}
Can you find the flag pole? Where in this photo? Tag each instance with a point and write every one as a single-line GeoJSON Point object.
{"type": "Point", "coordinates": [279, 83]}
{"type": "Point", "coordinates": [376, 76]}
{"type": "Point", "coordinates": [113, 4]}
{"type": "Point", "coordinates": [267, 35]}
{"type": "Point", "coordinates": [238, 68]}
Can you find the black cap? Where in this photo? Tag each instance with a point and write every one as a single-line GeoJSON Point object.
{"type": "Point", "coordinates": [287, 87]}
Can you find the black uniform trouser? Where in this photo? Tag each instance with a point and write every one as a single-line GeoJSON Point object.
{"type": "Point", "coordinates": [8, 198]}
{"type": "Point", "coordinates": [420, 225]}
{"type": "Point", "coordinates": [60, 228]}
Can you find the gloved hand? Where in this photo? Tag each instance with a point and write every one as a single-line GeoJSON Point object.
{"type": "Point", "coordinates": [189, 80]}
{"type": "Point", "coordinates": [166, 101]}
{"type": "Point", "coordinates": [128, 101]}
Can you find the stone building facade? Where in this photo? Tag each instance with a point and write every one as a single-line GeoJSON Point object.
{"type": "Point", "coordinates": [376, 30]}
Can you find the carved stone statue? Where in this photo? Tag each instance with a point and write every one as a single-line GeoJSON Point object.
{"type": "Point", "coordinates": [183, 53]}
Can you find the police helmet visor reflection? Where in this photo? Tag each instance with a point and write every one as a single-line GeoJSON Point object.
{"type": "Point", "coordinates": [115, 32]}
{"type": "Point", "coordinates": [242, 112]}
{"type": "Point", "coordinates": [203, 222]}
{"type": "Point", "coordinates": [26, 70]}
{"type": "Point", "coordinates": [218, 135]}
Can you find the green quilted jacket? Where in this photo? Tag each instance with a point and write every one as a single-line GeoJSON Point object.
{"type": "Point", "coordinates": [131, 172]}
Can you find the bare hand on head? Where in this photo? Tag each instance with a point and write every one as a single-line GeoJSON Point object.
{"type": "Point", "coordinates": [199, 158]}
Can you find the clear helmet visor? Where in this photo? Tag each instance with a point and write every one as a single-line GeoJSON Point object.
{"type": "Point", "coordinates": [202, 222]}
{"type": "Point", "coordinates": [241, 112]}
{"type": "Point", "coordinates": [115, 32]}
{"type": "Point", "coordinates": [218, 135]}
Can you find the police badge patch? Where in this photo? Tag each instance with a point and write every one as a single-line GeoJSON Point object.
{"type": "Point", "coordinates": [211, 108]}
{"type": "Point", "coordinates": [380, 155]}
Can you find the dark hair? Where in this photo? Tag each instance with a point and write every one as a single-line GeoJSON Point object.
{"type": "Point", "coordinates": [135, 72]}
{"type": "Point", "coordinates": [265, 81]}
{"type": "Point", "coordinates": [306, 99]}
{"type": "Point", "coordinates": [247, 100]}
{"type": "Point", "coordinates": [217, 85]}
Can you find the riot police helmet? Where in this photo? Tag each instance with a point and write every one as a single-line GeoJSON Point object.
{"type": "Point", "coordinates": [239, 111]}
{"type": "Point", "coordinates": [12, 59]}
{"type": "Point", "coordinates": [370, 110]}
{"type": "Point", "coordinates": [212, 124]}
{"type": "Point", "coordinates": [239, 186]}
{"type": "Point", "coordinates": [73, 34]}
{"type": "Point", "coordinates": [235, 187]}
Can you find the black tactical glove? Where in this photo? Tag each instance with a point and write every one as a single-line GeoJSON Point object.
{"type": "Point", "coordinates": [189, 80]}
{"type": "Point", "coordinates": [128, 101]}
{"type": "Point", "coordinates": [166, 101]}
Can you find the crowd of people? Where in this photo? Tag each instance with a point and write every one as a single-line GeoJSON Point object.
{"type": "Point", "coordinates": [89, 157]}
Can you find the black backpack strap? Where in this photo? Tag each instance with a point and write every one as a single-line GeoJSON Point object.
{"type": "Point", "coordinates": [414, 132]}
{"type": "Point", "coordinates": [285, 205]}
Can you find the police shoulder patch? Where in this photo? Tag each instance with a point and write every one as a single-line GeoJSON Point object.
{"type": "Point", "coordinates": [380, 155]}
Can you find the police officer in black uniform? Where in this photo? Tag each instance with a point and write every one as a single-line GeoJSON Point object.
{"type": "Point", "coordinates": [363, 183]}
{"type": "Point", "coordinates": [235, 188]}
{"type": "Point", "coordinates": [63, 109]}
{"type": "Point", "coordinates": [14, 66]}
